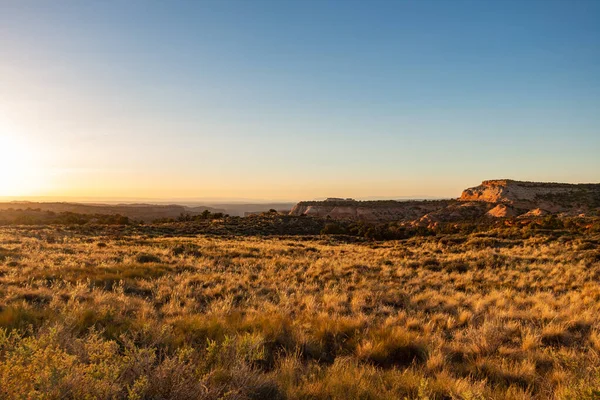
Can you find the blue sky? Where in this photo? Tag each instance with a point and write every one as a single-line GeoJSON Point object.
{"type": "Point", "coordinates": [293, 100]}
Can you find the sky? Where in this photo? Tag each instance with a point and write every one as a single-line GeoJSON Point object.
{"type": "Point", "coordinates": [295, 100]}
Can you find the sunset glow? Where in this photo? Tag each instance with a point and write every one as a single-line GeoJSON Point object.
{"type": "Point", "coordinates": [17, 167]}
{"type": "Point", "coordinates": [294, 100]}
{"type": "Point", "coordinates": [300, 199]}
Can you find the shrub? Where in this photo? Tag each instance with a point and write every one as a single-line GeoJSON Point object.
{"type": "Point", "coordinates": [18, 317]}
{"type": "Point", "coordinates": [145, 258]}
{"type": "Point", "coordinates": [333, 228]}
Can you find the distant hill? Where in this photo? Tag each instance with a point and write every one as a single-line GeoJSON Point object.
{"type": "Point", "coordinates": [144, 212]}
{"type": "Point", "coordinates": [148, 212]}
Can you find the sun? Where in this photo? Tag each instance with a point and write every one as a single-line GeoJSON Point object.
{"type": "Point", "coordinates": [16, 166]}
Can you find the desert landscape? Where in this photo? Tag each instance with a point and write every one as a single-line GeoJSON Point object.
{"type": "Point", "coordinates": [299, 200]}
{"type": "Point", "coordinates": [304, 306]}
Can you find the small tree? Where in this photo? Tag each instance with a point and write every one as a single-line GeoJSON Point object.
{"type": "Point", "coordinates": [205, 214]}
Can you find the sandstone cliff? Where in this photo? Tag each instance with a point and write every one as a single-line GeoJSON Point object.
{"type": "Point", "coordinates": [527, 196]}
{"type": "Point", "coordinates": [373, 211]}
{"type": "Point", "coordinates": [503, 198]}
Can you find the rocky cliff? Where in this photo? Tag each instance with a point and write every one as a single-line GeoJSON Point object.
{"type": "Point", "coordinates": [526, 196]}
{"type": "Point", "coordinates": [373, 211]}
{"type": "Point", "coordinates": [502, 198]}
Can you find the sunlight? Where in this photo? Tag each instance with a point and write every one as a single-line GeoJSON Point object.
{"type": "Point", "coordinates": [16, 167]}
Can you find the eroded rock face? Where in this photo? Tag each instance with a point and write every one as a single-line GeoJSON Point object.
{"type": "Point", "coordinates": [548, 197]}
{"type": "Point", "coordinates": [501, 198]}
{"type": "Point", "coordinates": [536, 212]}
{"type": "Point", "coordinates": [506, 190]}
{"type": "Point", "coordinates": [372, 211]}
{"type": "Point", "coordinates": [501, 211]}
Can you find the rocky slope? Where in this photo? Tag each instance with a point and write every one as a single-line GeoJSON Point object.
{"type": "Point", "coordinates": [522, 197]}
{"type": "Point", "coordinates": [492, 199]}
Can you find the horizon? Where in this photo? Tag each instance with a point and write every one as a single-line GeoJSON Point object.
{"type": "Point", "coordinates": [270, 101]}
{"type": "Point", "coordinates": [205, 201]}
{"type": "Point", "coordinates": [294, 199]}
{"type": "Point", "coordinates": [209, 201]}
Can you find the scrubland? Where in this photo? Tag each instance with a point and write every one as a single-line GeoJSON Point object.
{"type": "Point", "coordinates": [456, 316]}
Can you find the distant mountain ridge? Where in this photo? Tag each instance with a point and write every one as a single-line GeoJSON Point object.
{"type": "Point", "coordinates": [143, 212]}
{"type": "Point", "coordinates": [147, 212]}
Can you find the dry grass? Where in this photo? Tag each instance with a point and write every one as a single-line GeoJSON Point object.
{"type": "Point", "coordinates": [451, 317]}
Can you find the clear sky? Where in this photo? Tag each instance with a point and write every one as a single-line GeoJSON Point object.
{"type": "Point", "coordinates": [289, 100]}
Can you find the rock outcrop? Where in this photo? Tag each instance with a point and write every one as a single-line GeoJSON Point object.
{"type": "Point", "coordinates": [372, 211]}
{"type": "Point", "coordinates": [502, 198]}
{"type": "Point", "coordinates": [526, 196]}
{"type": "Point", "coordinates": [501, 211]}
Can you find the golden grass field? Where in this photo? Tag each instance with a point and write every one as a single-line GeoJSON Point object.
{"type": "Point", "coordinates": [479, 316]}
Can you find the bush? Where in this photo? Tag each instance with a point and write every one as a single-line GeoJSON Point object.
{"type": "Point", "coordinates": [333, 228]}
{"type": "Point", "coordinates": [18, 317]}
{"type": "Point", "coordinates": [145, 258]}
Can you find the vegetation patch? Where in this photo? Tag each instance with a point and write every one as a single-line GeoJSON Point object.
{"type": "Point", "coordinates": [491, 314]}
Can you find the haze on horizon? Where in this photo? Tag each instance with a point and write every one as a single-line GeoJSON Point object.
{"type": "Point", "coordinates": [290, 100]}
